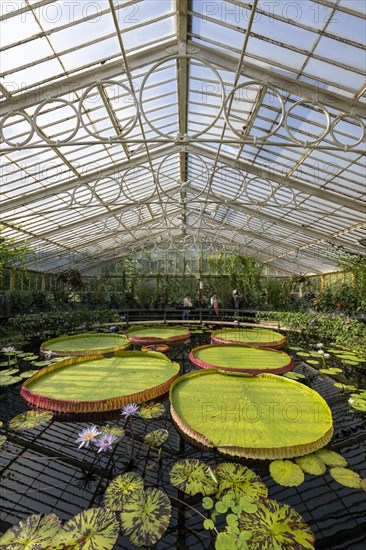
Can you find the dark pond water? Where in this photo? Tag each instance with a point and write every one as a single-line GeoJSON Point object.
{"type": "Point", "coordinates": [43, 471]}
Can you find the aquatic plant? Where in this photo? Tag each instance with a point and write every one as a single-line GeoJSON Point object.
{"type": "Point", "coordinates": [87, 436]}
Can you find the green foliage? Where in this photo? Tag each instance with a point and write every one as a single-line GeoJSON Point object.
{"type": "Point", "coordinates": [32, 533]}
{"type": "Point", "coordinates": [240, 480]}
{"type": "Point", "coordinates": [322, 327]}
{"type": "Point", "coordinates": [276, 525]}
{"type": "Point", "coordinates": [146, 517]}
{"type": "Point", "coordinates": [71, 278]}
{"type": "Point", "coordinates": [156, 438]}
{"type": "Point", "coordinates": [243, 273]}
{"type": "Point", "coordinates": [93, 529]}
{"type": "Point", "coordinates": [193, 476]}
{"type": "Point", "coordinates": [286, 473]}
{"type": "Point", "coordinates": [54, 323]}
{"type": "Point", "coordinates": [346, 477]}
{"type": "Point", "coordinates": [30, 420]}
{"type": "Point", "coordinates": [10, 254]}
{"type": "Point", "coordinates": [121, 489]}
{"type": "Point", "coordinates": [151, 410]}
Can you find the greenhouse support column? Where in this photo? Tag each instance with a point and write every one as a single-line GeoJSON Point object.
{"type": "Point", "coordinates": [13, 279]}
{"type": "Point", "coordinates": [43, 282]}
{"type": "Point", "coordinates": [322, 282]}
{"type": "Point", "coordinates": [99, 285]}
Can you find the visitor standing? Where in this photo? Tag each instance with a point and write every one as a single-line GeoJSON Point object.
{"type": "Point", "coordinates": [236, 299]}
{"type": "Point", "coordinates": [187, 302]}
{"type": "Point", "coordinates": [214, 303]}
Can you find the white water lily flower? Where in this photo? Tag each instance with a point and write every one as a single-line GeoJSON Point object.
{"type": "Point", "coordinates": [87, 436]}
{"type": "Point", "coordinates": [8, 349]}
{"type": "Point", "coordinates": [319, 345]}
{"type": "Point", "coordinates": [321, 352]}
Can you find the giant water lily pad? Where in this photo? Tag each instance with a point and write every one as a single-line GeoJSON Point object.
{"type": "Point", "coordinates": [93, 529]}
{"type": "Point", "coordinates": [264, 416]}
{"type": "Point", "coordinates": [121, 489]}
{"type": "Point", "coordinates": [241, 481]}
{"type": "Point", "coordinates": [97, 383]}
{"type": "Point", "coordinates": [192, 476]}
{"type": "Point", "coordinates": [157, 334]}
{"type": "Point", "coordinates": [146, 517]}
{"type": "Point", "coordinates": [256, 337]}
{"type": "Point", "coordinates": [33, 533]}
{"type": "Point", "coordinates": [276, 526]}
{"type": "Point", "coordinates": [241, 358]}
{"type": "Point", "coordinates": [29, 420]}
{"type": "Point", "coordinates": [88, 343]}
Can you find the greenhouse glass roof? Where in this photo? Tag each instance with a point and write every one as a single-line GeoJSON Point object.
{"type": "Point", "coordinates": [128, 124]}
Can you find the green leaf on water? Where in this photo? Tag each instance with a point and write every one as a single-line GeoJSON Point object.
{"type": "Point", "coordinates": [346, 477]}
{"type": "Point", "coordinates": [286, 473]}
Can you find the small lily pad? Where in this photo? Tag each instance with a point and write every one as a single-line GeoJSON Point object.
{"type": "Point", "coordinates": [239, 480]}
{"type": "Point", "coordinates": [330, 458]}
{"type": "Point", "coordinates": [41, 363]}
{"type": "Point", "coordinates": [8, 372]}
{"type": "Point", "coordinates": [30, 358]}
{"type": "Point", "coordinates": [156, 438]}
{"type": "Point", "coordinates": [151, 410]}
{"type": "Point", "coordinates": [348, 387]}
{"type": "Point", "coordinates": [2, 440]}
{"type": "Point", "coordinates": [358, 404]}
{"type": "Point", "coordinates": [9, 381]}
{"type": "Point", "coordinates": [331, 370]}
{"type": "Point", "coordinates": [146, 517]}
{"type": "Point", "coordinates": [28, 373]}
{"type": "Point", "coordinates": [312, 362]}
{"type": "Point", "coordinates": [193, 476]}
{"type": "Point", "coordinates": [286, 473]}
{"type": "Point", "coordinates": [117, 431]}
{"type": "Point", "coordinates": [311, 464]}
{"type": "Point", "coordinates": [346, 477]}
{"type": "Point", "coordinates": [276, 525]}
{"type": "Point", "coordinates": [32, 533]}
{"type": "Point", "coordinates": [29, 420]}
{"type": "Point", "coordinates": [121, 489]}
{"type": "Point", "coordinates": [8, 363]}
{"type": "Point", "coordinates": [93, 529]}
{"type": "Point", "coordinates": [295, 348]}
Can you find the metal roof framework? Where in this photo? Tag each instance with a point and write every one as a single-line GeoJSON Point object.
{"type": "Point", "coordinates": [128, 124]}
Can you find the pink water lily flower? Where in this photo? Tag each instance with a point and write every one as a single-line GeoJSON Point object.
{"type": "Point", "coordinates": [87, 436]}
{"type": "Point", "coordinates": [105, 443]}
{"type": "Point", "coordinates": [130, 410]}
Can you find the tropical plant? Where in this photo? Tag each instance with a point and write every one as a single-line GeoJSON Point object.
{"type": "Point", "coordinates": [10, 253]}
